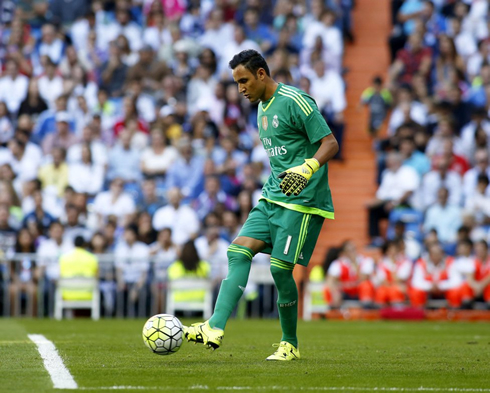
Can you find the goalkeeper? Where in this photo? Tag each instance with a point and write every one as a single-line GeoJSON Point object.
{"type": "Point", "coordinates": [295, 200]}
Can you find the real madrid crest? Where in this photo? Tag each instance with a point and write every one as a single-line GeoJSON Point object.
{"type": "Point", "coordinates": [265, 123]}
{"type": "Point", "coordinates": [275, 121]}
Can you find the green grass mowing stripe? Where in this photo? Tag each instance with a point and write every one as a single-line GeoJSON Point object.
{"type": "Point", "coordinates": [354, 355]}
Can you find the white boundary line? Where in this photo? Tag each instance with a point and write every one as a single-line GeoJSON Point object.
{"type": "Point", "coordinates": [284, 388]}
{"type": "Point", "coordinates": [61, 377]}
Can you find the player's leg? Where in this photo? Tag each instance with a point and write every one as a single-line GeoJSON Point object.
{"type": "Point", "coordinates": [486, 295]}
{"type": "Point", "coordinates": [287, 300]}
{"type": "Point", "coordinates": [240, 254]}
{"type": "Point", "coordinates": [381, 295]}
{"type": "Point", "coordinates": [418, 297]}
{"type": "Point", "coordinates": [292, 244]}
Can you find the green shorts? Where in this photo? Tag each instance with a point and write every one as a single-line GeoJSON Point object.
{"type": "Point", "coordinates": [290, 236]}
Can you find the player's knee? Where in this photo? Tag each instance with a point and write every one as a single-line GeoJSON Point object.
{"type": "Point", "coordinates": [239, 254]}
{"type": "Point", "coordinates": [280, 274]}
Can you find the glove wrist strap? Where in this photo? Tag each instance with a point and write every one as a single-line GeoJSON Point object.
{"type": "Point", "coordinates": [313, 163]}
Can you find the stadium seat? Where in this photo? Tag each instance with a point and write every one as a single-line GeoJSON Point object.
{"type": "Point", "coordinates": [85, 284]}
{"type": "Point", "coordinates": [190, 284]}
{"type": "Point", "coordinates": [309, 306]}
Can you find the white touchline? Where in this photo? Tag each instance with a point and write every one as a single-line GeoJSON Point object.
{"type": "Point", "coordinates": [294, 388]}
{"type": "Point", "coordinates": [61, 377]}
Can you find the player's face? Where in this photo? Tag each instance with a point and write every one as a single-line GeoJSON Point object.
{"type": "Point", "coordinates": [251, 86]}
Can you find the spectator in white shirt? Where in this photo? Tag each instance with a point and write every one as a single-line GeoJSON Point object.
{"type": "Point", "coordinates": [114, 202]}
{"type": "Point", "coordinates": [98, 149]}
{"type": "Point", "coordinates": [473, 15]}
{"type": "Point", "coordinates": [470, 177]}
{"type": "Point", "coordinates": [443, 132]}
{"type": "Point", "coordinates": [406, 110]}
{"type": "Point", "coordinates": [444, 217]}
{"type": "Point", "coordinates": [479, 58]}
{"type": "Point", "coordinates": [13, 86]}
{"type": "Point", "coordinates": [439, 177]}
{"type": "Point", "coordinates": [328, 90]}
{"type": "Point", "coordinates": [73, 226]}
{"type": "Point", "coordinates": [144, 102]}
{"type": "Point", "coordinates": [201, 86]}
{"type": "Point", "coordinates": [24, 165]}
{"type": "Point", "coordinates": [470, 134]}
{"type": "Point", "coordinates": [6, 127]}
{"type": "Point", "coordinates": [158, 157]}
{"type": "Point", "coordinates": [80, 85]}
{"type": "Point", "coordinates": [212, 248]}
{"type": "Point", "coordinates": [158, 34]}
{"type": "Point", "coordinates": [50, 84]}
{"type": "Point", "coordinates": [164, 253]}
{"type": "Point", "coordinates": [50, 45]}
{"type": "Point", "coordinates": [398, 184]}
{"type": "Point", "coordinates": [122, 25]}
{"type": "Point", "coordinates": [234, 46]}
{"type": "Point", "coordinates": [330, 35]}
{"type": "Point", "coordinates": [132, 260]}
{"type": "Point", "coordinates": [464, 41]}
{"type": "Point", "coordinates": [478, 205]}
{"type": "Point", "coordinates": [86, 176]}
{"type": "Point", "coordinates": [48, 268]}
{"type": "Point", "coordinates": [181, 219]}
{"type": "Point", "coordinates": [81, 29]}
{"type": "Point", "coordinates": [217, 33]}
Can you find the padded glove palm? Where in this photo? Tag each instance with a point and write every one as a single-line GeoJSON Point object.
{"type": "Point", "coordinates": [294, 180]}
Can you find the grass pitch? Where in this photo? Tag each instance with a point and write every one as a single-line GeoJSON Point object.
{"type": "Point", "coordinates": [349, 356]}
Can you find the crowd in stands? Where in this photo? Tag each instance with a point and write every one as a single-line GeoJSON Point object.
{"type": "Point", "coordinates": [433, 162]}
{"type": "Point", "coordinates": [120, 123]}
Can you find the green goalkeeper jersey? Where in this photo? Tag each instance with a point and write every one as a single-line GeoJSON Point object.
{"type": "Point", "coordinates": [290, 128]}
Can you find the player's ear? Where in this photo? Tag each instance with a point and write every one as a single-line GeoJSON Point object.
{"type": "Point", "coordinates": [261, 74]}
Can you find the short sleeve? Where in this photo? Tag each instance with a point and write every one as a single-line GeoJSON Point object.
{"type": "Point", "coordinates": [98, 204]}
{"type": "Point", "coordinates": [334, 269]}
{"type": "Point", "coordinates": [404, 270]}
{"type": "Point", "coordinates": [466, 266]}
{"type": "Point", "coordinates": [306, 115]}
{"type": "Point", "coordinates": [367, 266]}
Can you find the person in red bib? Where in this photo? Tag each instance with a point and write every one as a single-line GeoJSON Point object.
{"type": "Point", "coordinates": [349, 277]}
{"type": "Point", "coordinates": [392, 275]}
{"type": "Point", "coordinates": [481, 282]}
{"type": "Point", "coordinates": [438, 276]}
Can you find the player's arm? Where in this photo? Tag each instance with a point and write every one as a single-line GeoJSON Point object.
{"type": "Point", "coordinates": [327, 150]}
{"type": "Point", "coordinates": [295, 179]}
{"type": "Point", "coordinates": [333, 286]}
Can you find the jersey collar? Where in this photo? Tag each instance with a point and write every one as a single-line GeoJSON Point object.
{"type": "Point", "coordinates": [267, 104]}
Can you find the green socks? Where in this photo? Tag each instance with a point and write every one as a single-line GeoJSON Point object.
{"type": "Point", "coordinates": [239, 262]}
{"type": "Point", "coordinates": [232, 287]}
{"type": "Point", "coordinates": [287, 302]}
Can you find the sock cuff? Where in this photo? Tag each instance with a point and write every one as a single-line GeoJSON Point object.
{"type": "Point", "coordinates": [236, 248]}
{"type": "Point", "coordinates": [277, 263]}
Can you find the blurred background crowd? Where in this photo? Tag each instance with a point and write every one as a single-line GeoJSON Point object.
{"type": "Point", "coordinates": [121, 128]}
{"type": "Point", "coordinates": [120, 123]}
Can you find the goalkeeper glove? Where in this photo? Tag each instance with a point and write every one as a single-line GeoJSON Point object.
{"type": "Point", "coordinates": [295, 179]}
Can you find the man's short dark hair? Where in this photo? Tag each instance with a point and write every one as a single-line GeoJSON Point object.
{"type": "Point", "coordinates": [482, 178]}
{"type": "Point", "coordinates": [79, 241]}
{"type": "Point", "coordinates": [251, 60]}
